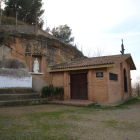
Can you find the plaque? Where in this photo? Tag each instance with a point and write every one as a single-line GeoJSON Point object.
{"type": "Point", "coordinates": [99, 74]}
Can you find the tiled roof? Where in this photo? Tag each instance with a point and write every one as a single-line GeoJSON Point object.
{"type": "Point", "coordinates": [94, 61]}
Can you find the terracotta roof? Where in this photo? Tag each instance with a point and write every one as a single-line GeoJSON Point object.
{"type": "Point", "coordinates": [94, 61]}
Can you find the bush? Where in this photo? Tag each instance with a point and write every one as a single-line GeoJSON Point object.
{"type": "Point", "coordinates": [11, 21]}
{"type": "Point", "coordinates": [60, 90]}
{"type": "Point", "coordinates": [51, 91]}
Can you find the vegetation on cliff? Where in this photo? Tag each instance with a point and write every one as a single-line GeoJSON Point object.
{"type": "Point", "coordinates": [62, 32]}
{"type": "Point", "coordinates": [28, 11]}
{"type": "Point", "coordinates": [11, 21]}
{"type": "Point", "coordinates": [5, 38]}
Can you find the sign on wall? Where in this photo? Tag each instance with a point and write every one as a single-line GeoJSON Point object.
{"type": "Point", "coordinates": [99, 74]}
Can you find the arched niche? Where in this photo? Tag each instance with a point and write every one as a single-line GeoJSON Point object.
{"type": "Point", "coordinates": [39, 56]}
{"type": "Point", "coordinates": [125, 80]}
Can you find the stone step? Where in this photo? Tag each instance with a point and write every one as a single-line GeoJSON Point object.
{"type": "Point", "coordinates": [23, 102]}
{"type": "Point", "coordinates": [16, 90]}
{"type": "Point", "coordinates": [19, 96]}
{"type": "Point", "coordinates": [74, 102]}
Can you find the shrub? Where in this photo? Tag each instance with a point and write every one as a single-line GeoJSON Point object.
{"type": "Point", "coordinates": [51, 90]}
{"type": "Point", "coordinates": [60, 90]}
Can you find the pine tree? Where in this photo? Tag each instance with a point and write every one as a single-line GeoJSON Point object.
{"type": "Point", "coordinates": [28, 11]}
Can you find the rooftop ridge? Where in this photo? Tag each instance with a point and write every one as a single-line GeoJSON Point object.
{"type": "Point", "coordinates": [94, 61]}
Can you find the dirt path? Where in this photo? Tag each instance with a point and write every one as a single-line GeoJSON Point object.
{"type": "Point", "coordinates": [91, 124]}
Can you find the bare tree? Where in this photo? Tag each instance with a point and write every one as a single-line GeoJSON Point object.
{"type": "Point", "coordinates": [99, 51]}
{"type": "Point", "coordinates": [88, 52]}
{"type": "Point", "coordinates": [96, 52]}
{"type": "Point", "coordinates": [136, 87]}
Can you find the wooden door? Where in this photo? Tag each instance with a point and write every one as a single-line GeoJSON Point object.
{"type": "Point", "coordinates": [78, 84]}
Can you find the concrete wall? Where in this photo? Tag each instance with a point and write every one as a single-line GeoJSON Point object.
{"type": "Point", "coordinates": [38, 83]}
{"type": "Point", "coordinates": [24, 29]}
{"type": "Point", "coordinates": [41, 32]}
{"type": "Point", "coordinates": [15, 78]}
{"type": "Point", "coordinates": [18, 29]}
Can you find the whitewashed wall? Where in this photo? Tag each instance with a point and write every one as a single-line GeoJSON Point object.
{"type": "Point", "coordinates": [6, 82]}
{"type": "Point", "coordinates": [15, 78]}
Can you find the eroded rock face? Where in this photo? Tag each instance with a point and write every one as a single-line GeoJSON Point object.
{"type": "Point", "coordinates": [54, 50]}
{"type": "Point", "coordinates": [19, 52]}
{"type": "Point", "coordinates": [13, 63]}
{"type": "Point", "coordinates": [7, 61]}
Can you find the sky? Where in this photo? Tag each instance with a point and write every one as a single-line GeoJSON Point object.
{"type": "Point", "coordinates": [99, 24]}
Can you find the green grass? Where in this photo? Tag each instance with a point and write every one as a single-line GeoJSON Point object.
{"type": "Point", "coordinates": [11, 21]}
{"type": "Point", "coordinates": [101, 107]}
{"type": "Point", "coordinates": [64, 124]}
{"type": "Point", "coordinates": [111, 123]}
{"type": "Point", "coordinates": [37, 126]}
{"type": "Point", "coordinates": [121, 106]}
{"type": "Point", "coordinates": [74, 117]}
{"type": "Point", "coordinates": [130, 102]}
{"type": "Point", "coordinates": [120, 125]}
{"type": "Point", "coordinates": [61, 125]}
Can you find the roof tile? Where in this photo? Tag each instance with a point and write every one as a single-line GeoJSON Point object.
{"type": "Point", "coordinates": [92, 61]}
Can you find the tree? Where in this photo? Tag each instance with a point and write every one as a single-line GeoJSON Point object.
{"type": "Point", "coordinates": [136, 86]}
{"type": "Point", "coordinates": [63, 32]}
{"type": "Point", "coordinates": [28, 11]}
{"type": "Point", "coordinates": [97, 51]}
{"type": "Point", "coordinates": [48, 30]}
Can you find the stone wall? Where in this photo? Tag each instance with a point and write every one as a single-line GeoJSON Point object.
{"type": "Point", "coordinates": [18, 29]}
{"type": "Point", "coordinates": [25, 29]}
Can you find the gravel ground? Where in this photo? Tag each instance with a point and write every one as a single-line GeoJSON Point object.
{"type": "Point", "coordinates": [92, 124]}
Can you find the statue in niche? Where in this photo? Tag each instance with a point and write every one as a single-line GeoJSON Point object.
{"type": "Point", "coordinates": [36, 66]}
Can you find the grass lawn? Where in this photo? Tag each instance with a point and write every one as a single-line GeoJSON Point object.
{"type": "Point", "coordinates": [60, 122]}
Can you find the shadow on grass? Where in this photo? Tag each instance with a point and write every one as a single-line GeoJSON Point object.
{"type": "Point", "coordinates": [130, 102]}
{"type": "Point", "coordinates": [121, 106]}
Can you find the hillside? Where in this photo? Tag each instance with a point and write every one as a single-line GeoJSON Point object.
{"type": "Point", "coordinates": [11, 21]}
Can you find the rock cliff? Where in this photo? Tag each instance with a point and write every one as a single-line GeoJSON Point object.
{"type": "Point", "coordinates": [18, 51]}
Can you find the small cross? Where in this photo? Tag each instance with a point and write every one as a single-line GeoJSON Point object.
{"type": "Point", "coordinates": [122, 46]}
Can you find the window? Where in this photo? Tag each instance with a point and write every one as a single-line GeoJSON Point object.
{"type": "Point", "coordinates": [113, 76]}
{"type": "Point", "coordinates": [125, 80]}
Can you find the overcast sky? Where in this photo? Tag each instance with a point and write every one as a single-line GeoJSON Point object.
{"type": "Point", "coordinates": [99, 23]}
